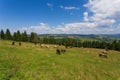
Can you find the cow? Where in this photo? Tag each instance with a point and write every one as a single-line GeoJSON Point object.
{"type": "Point", "coordinates": [47, 46]}
{"type": "Point", "coordinates": [58, 51]}
{"type": "Point", "coordinates": [19, 43]}
{"type": "Point", "coordinates": [41, 45]}
{"type": "Point", "coordinates": [55, 46]}
{"type": "Point", "coordinates": [13, 43]}
{"type": "Point", "coordinates": [104, 54]}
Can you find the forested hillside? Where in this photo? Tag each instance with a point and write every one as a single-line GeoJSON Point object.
{"type": "Point", "coordinates": [70, 41]}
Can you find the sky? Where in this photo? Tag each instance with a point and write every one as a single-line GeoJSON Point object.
{"type": "Point", "coordinates": [61, 16]}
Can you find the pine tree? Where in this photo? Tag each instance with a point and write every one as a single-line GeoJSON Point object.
{"type": "Point", "coordinates": [15, 36]}
{"type": "Point", "coordinates": [24, 37]}
{"type": "Point", "coordinates": [18, 36]}
{"type": "Point", "coordinates": [2, 34]}
{"type": "Point", "coordinates": [8, 35]}
{"type": "Point", "coordinates": [33, 37]}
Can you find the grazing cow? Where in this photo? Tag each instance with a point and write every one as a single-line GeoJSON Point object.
{"type": "Point", "coordinates": [103, 54]}
{"type": "Point", "coordinates": [13, 43]}
{"type": "Point", "coordinates": [55, 46]}
{"type": "Point", "coordinates": [41, 45]}
{"type": "Point", "coordinates": [19, 43]}
{"type": "Point", "coordinates": [47, 46]}
{"type": "Point", "coordinates": [58, 51]}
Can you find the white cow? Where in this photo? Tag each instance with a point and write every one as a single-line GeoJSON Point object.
{"type": "Point", "coordinates": [47, 46]}
{"type": "Point", "coordinates": [56, 46]}
{"type": "Point", "coordinates": [42, 45]}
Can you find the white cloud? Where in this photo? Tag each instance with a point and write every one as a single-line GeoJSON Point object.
{"type": "Point", "coordinates": [102, 21]}
{"type": "Point", "coordinates": [64, 28]}
{"type": "Point", "coordinates": [69, 7]}
{"type": "Point", "coordinates": [42, 28]}
{"type": "Point", "coordinates": [85, 14]}
{"type": "Point", "coordinates": [104, 11]}
{"type": "Point", "coordinates": [71, 28]}
{"type": "Point", "coordinates": [49, 5]}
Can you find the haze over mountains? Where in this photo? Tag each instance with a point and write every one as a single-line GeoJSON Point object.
{"type": "Point", "coordinates": [84, 35]}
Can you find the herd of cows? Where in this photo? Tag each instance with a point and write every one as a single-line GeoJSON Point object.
{"type": "Point", "coordinates": [58, 50]}
{"type": "Point", "coordinates": [103, 54]}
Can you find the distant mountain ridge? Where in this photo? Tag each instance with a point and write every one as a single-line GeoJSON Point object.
{"type": "Point", "coordinates": [84, 35]}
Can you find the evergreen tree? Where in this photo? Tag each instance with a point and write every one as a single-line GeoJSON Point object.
{"type": "Point", "coordinates": [18, 36]}
{"type": "Point", "coordinates": [79, 44]}
{"type": "Point", "coordinates": [8, 35]}
{"type": "Point", "coordinates": [33, 37]}
{"type": "Point", "coordinates": [52, 41]}
{"type": "Point", "coordinates": [15, 36]}
{"type": "Point", "coordinates": [2, 34]}
{"type": "Point", "coordinates": [24, 37]}
{"type": "Point", "coordinates": [119, 45]}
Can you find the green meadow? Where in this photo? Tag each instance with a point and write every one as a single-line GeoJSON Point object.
{"type": "Point", "coordinates": [31, 62]}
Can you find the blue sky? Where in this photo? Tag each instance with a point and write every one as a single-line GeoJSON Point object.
{"type": "Point", "coordinates": [61, 16]}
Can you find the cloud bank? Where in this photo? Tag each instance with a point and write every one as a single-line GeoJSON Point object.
{"type": "Point", "coordinates": [71, 28]}
{"type": "Point", "coordinates": [105, 12]}
{"type": "Point", "coordinates": [104, 20]}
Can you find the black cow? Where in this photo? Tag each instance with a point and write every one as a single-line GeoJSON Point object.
{"type": "Point", "coordinates": [13, 43]}
{"type": "Point", "coordinates": [58, 51]}
{"type": "Point", "coordinates": [19, 43]}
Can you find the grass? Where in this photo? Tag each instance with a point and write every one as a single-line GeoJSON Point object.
{"type": "Point", "coordinates": [30, 62]}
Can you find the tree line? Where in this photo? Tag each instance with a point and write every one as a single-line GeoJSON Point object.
{"type": "Point", "coordinates": [71, 42]}
{"type": "Point", "coordinates": [68, 42]}
{"type": "Point", "coordinates": [18, 36]}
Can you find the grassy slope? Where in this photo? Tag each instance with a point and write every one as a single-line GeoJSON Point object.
{"type": "Point", "coordinates": [30, 62]}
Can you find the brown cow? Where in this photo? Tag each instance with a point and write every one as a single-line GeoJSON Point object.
{"type": "Point", "coordinates": [19, 43]}
{"type": "Point", "coordinates": [104, 54]}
